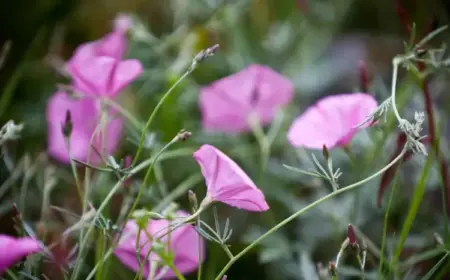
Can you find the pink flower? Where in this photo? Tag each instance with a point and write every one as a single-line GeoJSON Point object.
{"type": "Point", "coordinates": [113, 44]}
{"type": "Point", "coordinates": [104, 76]}
{"type": "Point", "coordinates": [227, 103]}
{"type": "Point", "coordinates": [331, 121]}
{"type": "Point", "coordinates": [14, 249]}
{"type": "Point", "coordinates": [184, 244]}
{"type": "Point", "coordinates": [227, 182]}
{"type": "Point", "coordinates": [85, 115]}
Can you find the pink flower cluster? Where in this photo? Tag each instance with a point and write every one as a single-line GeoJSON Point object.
{"type": "Point", "coordinates": [227, 104]}
{"type": "Point", "coordinates": [98, 70]}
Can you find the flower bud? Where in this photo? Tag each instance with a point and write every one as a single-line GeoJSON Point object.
{"type": "Point", "coordinates": [332, 268]}
{"type": "Point", "coordinates": [325, 152]}
{"type": "Point", "coordinates": [351, 235]}
{"type": "Point", "coordinates": [67, 126]}
{"type": "Point", "coordinates": [193, 200]}
{"type": "Point", "coordinates": [363, 76]}
{"type": "Point", "coordinates": [184, 135]}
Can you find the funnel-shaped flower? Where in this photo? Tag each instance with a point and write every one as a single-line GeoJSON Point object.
{"type": "Point", "coordinates": [14, 249]}
{"type": "Point", "coordinates": [331, 121]}
{"type": "Point", "coordinates": [104, 75]}
{"type": "Point", "coordinates": [85, 116]}
{"type": "Point", "coordinates": [227, 182]}
{"type": "Point", "coordinates": [227, 103]}
{"type": "Point", "coordinates": [184, 245]}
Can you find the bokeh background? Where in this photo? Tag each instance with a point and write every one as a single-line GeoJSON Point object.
{"type": "Point", "coordinates": [319, 44]}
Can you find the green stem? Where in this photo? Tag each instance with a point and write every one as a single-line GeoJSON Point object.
{"type": "Point", "coordinates": [137, 124]}
{"type": "Point", "coordinates": [395, 62]}
{"type": "Point", "coordinates": [155, 110]}
{"type": "Point", "coordinates": [176, 271]}
{"type": "Point", "coordinates": [385, 226]}
{"type": "Point", "coordinates": [74, 171]}
{"type": "Point", "coordinates": [147, 175]}
{"type": "Point", "coordinates": [200, 257]}
{"type": "Point", "coordinates": [413, 209]}
{"type": "Point", "coordinates": [101, 245]}
{"type": "Point", "coordinates": [305, 209]}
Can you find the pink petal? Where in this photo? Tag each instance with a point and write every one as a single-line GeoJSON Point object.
{"type": "Point", "coordinates": [331, 121]}
{"type": "Point", "coordinates": [217, 111]}
{"type": "Point", "coordinates": [104, 75]}
{"type": "Point", "coordinates": [112, 45]}
{"type": "Point", "coordinates": [184, 242]}
{"type": "Point", "coordinates": [227, 103]}
{"type": "Point", "coordinates": [227, 182]}
{"type": "Point", "coordinates": [127, 71]}
{"type": "Point", "coordinates": [85, 117]}
{"type": "Point", "coordinates": [14, 249]}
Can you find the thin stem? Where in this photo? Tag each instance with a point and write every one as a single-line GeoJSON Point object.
{"type": "Point", "coordinates": [262, 140]}
{"type": "Point", "coordinates": [227, 251]}
{"type": "Point", "coordinates": [155, 110]}
{"type": "Point", "coordinates": [361, 265]}
{"type": "Point", "coordinates": [176, 271]}
{"type": "Point", "coordinates": [181, 189]}
{"type": "Point", "coordinates": [200, 250]}
{"type": "Point", "coordinates": [113, 104]}
{"type": "Point", "coordinates": [12, 275]}
{"type": "Point", "coordinates": [395, 62]}
{"type": "Point", "coordinates": [385, 226]}
{"type": "Point", "coordinates": [305, 209]}
{"type": "Point", "coordinates": [74, 171]}
{"type": "Point", "coordinates": [84, 203]}
{"type": "Point", "coordinates": [147, 175]}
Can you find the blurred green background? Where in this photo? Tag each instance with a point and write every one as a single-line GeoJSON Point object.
{"type": "Point", "coordinates": [318, 44]}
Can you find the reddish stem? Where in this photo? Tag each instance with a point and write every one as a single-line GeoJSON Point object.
{"type": "Point", "coordinates": [432, 131]}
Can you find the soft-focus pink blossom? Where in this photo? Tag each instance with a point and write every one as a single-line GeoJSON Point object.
{"type": "Point", "coordinates": [122, 23]}
{"type": "Point", "coordinates": [13, 249]}
{"type": "Point", "coordinates": [86, 115]}
{"type": "Point", "coordinates": [227, 182]}
{"type": "Point", "coordinates": [104, 76]}
{"type": "Point", "coordinates": [331, 121]}
{"type": "Point", "coordinates": [227, 103]}
{"type": "Point", "coordinates": [184, 244]}
{"type": "Point", "coordinates": [113, 44]}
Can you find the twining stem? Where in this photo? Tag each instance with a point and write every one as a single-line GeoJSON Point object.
{"type": "Point", "coordinates": [116, 187]}
{"type": "Point", "coordinates": [147, 175]}
{"type": "Point", "coordinates": [113, 104]}
{"type": "Point", "coordinates": [156, 109]}
{"type": "Point", "coordinates": [305, 209]}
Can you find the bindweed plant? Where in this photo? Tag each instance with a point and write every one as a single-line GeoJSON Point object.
{"type": "Point", "coordinates": [178, 195]}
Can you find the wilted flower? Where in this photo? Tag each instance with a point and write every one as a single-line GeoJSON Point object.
{"type": "Point", "coordinates": [14, 249]}
{"type": "Point", "coordinates": [227, 182]}
{"type": "Point", "coordinates": [331, 121]}
{"type": "Point", "coordinates": [85, 116]}
{"type": "Point", "coordinates": [227, 103]}
{"type": "Point", "coordinates": [184, 245]}
{"type": "Point", "coordinates": [104, 76]}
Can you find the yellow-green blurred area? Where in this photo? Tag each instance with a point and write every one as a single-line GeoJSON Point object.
{"type": "Point", "coordinates": [318, 44]}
